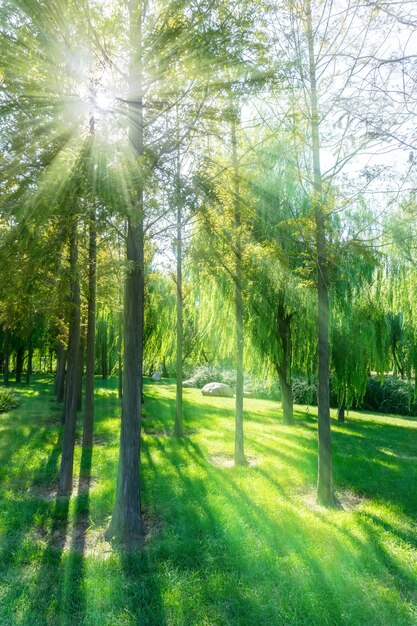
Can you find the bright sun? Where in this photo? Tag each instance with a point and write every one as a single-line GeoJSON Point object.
{"type": "Point", "coordinates": [102, 101]}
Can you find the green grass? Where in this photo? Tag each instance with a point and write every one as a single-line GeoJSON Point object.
{"type": "Point", "coordinates": [226, 546]}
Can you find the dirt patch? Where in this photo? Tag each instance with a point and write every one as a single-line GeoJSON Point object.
{"type": "Point", "coordinates": [344, 500]}
{"type": "Point", "coordinates": [82, 538]}
{"type": "Point", "coordinates": [87, 540]}
{"type": "Point", "coordinates": [226, 461]}
{"type": "Point", "coordinates": [97, 441]}
{"type": "Point", "coordinates": [160, 432]}
{"type": "Point", "coordinates": [80, 485]}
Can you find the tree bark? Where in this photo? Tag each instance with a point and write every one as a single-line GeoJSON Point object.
{"type": "Point", "coordinates": [80, 373]}
{"type": "Point", "coordinates": [6, 358]}
{"type": "Point", "coordinates": [239, 437]}
{"type": "Point", "coordinates": [20, 356]}
{"type": "Point", "coordinates": [120, 359]}
{"type": "Point", "coordinates": [341, 409]}
{"type": "Point", "coordinates": [61, 358]}
{"type": "Point", "coordinates": [30, 362]}
{"type": "Point", "coordinates": [71, 388]}
{"type": "Point", "coordinates": [126, 525]}
{"type": "Point", "coordinates": [284, 367]}
{"type": "Point", "coordinates": [178, 428]}
{"type": "Point", "coordinates": [287, 401]}
{"type": "Point", "coordinates": [91, 331]}
{"type": "Point", "coordinates": [325, 494]}
{"type": "Point", "coordinates": [60, 372]}
{"type": "Point", "coordinates": [104, 356]}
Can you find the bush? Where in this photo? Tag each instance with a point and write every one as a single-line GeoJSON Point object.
{"type": "Point", "coordinates": [259, 387]}
{"type": "Point", "coordinates": [393, 396]}
{"type": "Point", "coordinates": [265, 390]}
{"type": "Point", "coordinates": [203, 374]}
{"type": "Point", "coordinates": [8, 400]}
{"type": "Point", "coordinates": [304, 391]}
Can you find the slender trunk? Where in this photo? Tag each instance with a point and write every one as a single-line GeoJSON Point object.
{"type": "Point", "coordinates": [30, 361]}
{"type": "Point", "coordinates": [20, 356]}
{"type": "Point", "coordinates": [397, 364]}
{"type": "Point", "coordinates": [239, 440]}
{"type": "Point", "coordinates": [60, 372]}
{"type": "Point", "coordinates": [284, 368]}
{"type": "Point", "coordinates": [80, 373]}
{"type": "Point", "coordinates": [178, 428]}
{"type": "Point", "coordinates": [104, 371]}
{"type": "Point", "coordinates": [341, 408]}
{"type": "Point", "coordinates": [71, 387]}
{"type": "Point", "coordinates": [325, 482]}
{"type": "Point", "coordinates": [286, 400]}
{"type": "Point", "coordinates": [51, 356]}
{"type": "Point", "coordinates": [6, 358]}
{"type": "Point", "coordinates": [120, 359]}
{"type": "Point", "coordinates": [286, 396]}
{"type": "Point", "coordinates": [126, 524]}
{"type": "Point", "coordinates": [165, 373]}
{"type": "Point", "coordinates": [91, 331]}
{"type": "Point", "coordinates": [110, 349]}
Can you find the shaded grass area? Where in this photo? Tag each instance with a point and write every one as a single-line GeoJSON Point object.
{"type": "Point", "coordinates": [226, 546]}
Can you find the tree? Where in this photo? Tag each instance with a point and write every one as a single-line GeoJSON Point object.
{"type": "Point", "coordinates": [72, 379]}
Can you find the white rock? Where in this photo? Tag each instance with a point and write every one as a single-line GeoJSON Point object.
{"type": "Point", "coordinates": [219, 390]}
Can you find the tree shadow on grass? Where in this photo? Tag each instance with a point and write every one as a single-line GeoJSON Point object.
{"type": "Point", "coordinates": [46, 590]}
{"type": "Point", "coordinates": [73, 593]}
{"type": "Point", "coordinates": [381, 464]}
{"type": "Point", "coordinates": [254, 564]}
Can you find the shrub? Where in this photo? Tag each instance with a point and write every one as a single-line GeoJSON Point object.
{"type": "Point", "coordinates": [393, 396]}
{"type": "Point", "coordinates": [8, 400]}
{"type": "Point", "coordinates": [203, 374]}
{"type": "Point", "coordinates": [304, 391]}
{"type": "Point", "coordinates": [264, 389]}
{"type": "Point", "coordinates": [259, 387]}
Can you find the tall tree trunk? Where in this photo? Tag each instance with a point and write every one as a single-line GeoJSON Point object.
{"type": "Point", "coordinates": [120, 359]}
{"type": "Point", "coordinates": [60, 371]}
{"type": "Point", "coordinates": [239, 440]}
{"type": "Point", "coordinates": [178, 428]}
{"type": "Point", "coordinates": [80, 372]}
{"type": "Point", "coordinates": [30, 362]}
{"type": "Point", "coordinates": [6, 358]}
{"type": "Point", "coordinates": [286, 399]}
{"type": "Point", "coordinates": [342, 408]}
{"type": "Point", "coordinates": [91, 331]}
{"type": "Point", "coordinates": [284, 367]}
{"type": "Point", "coordinates": [126, 524]}
{"type": "Point", "coordinates": [71, 388]}
{"type": "Point", "coordinates": [104, 345]}
{"type": "Point", "coordinates": [110, 347]}
{"type": "Point", "coordinates": [325, 494]}
{"type": "Point", "coordinates": [20, 356]}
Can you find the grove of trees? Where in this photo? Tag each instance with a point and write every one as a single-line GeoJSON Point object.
{"type": "Point", "coordinates": [206, 184]}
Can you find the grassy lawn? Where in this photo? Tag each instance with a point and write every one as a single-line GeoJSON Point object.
{"type": "Point", "coordinates": [225, 546]}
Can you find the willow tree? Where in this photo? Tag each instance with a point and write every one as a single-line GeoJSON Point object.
{"type": "Point", "coordinates": [321, 104]}
{"type": "Point", "coordinates": [218, 248]}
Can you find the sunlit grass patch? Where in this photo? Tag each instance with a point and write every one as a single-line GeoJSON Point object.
{"type": "Point", "coordinates": [224, 545]}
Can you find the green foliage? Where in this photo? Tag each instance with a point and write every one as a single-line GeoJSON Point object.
{"type": "Point", "coordinates": [257, 386]}
{"type": "Point", "coordinates": [392, 396]}
{"type": "Point", "coordinates": [203, 374]}
{"type": "Point", "coordinates": [8, 400]}
{"type": "Point", "coordinates": [304, 391]}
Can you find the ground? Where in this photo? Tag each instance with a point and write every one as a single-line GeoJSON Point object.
{"type": "Point", "coordinates": [224, 545]}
